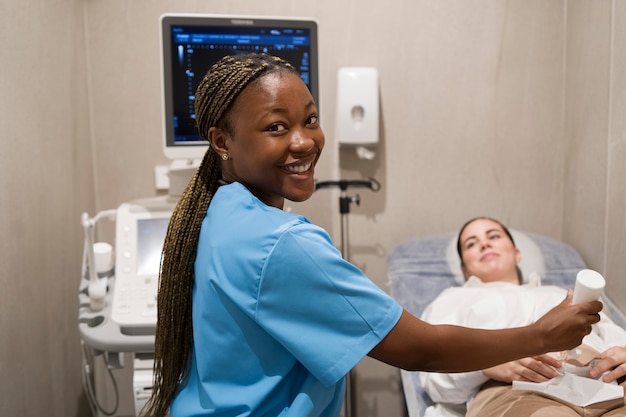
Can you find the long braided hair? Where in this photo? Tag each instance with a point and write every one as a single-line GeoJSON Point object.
{"type": "Point", "coordinates": [174, 335]}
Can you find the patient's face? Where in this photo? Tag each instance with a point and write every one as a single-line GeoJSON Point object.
{"type": "Point", "coordinates": [488, 253]}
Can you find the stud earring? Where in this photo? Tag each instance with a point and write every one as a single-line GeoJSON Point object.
{"type": "Point", "coordinates": [225, 156]}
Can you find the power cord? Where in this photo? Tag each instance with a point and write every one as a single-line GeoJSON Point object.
{"type": "Point", "coordinates": [94, 404]}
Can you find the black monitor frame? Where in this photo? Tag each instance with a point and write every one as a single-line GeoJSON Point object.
{"type": "Point", "coordinates": [219, 35]}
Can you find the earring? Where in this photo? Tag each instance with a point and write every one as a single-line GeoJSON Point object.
{"type": "Point", "coordinates": [225, 156]}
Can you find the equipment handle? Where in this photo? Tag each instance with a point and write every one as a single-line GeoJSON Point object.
{"type": "Point", "coordinates": [370, 183]}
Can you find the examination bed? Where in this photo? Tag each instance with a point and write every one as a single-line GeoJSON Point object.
{"type": "Point", "coordinates": [420, 268]}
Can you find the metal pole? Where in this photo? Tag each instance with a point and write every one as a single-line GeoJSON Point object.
{"type": "Point", "coordinates": [344, 210]}
{"type": "Point", "coordinates": [348, 401]}
{"type": "Point", "coordinates": [344, 200]}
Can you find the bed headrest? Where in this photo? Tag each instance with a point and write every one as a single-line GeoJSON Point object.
{"type": "Point", "coordinates": [531, 257]}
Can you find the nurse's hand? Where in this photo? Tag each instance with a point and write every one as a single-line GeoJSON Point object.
{"type": "Point", "coordinates": [613, 360]}
{"type": "Point", "coordinates": [535, 369]}
{"type": "Point", "coordinates": [564, 326]}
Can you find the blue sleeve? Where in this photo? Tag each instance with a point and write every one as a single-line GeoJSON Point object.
{"type": "Point", "coordinates": [321, 308]}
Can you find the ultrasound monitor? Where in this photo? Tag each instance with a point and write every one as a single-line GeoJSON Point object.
{"type": "Point", "coordinates": [192, 43]}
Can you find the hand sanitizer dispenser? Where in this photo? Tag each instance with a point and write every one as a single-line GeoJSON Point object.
{"type": "Point", "coordinates": [357, 106]}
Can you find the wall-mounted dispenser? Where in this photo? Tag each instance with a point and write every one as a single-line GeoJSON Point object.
{"type": "Point", "coordinates": [357, 106]}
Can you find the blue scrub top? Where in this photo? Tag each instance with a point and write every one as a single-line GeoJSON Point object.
{"type": "Point", "coordinates": [279, 317]}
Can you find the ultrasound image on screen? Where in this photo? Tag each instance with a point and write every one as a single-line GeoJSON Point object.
{"type": "Point", "coordinates": [194, 49]}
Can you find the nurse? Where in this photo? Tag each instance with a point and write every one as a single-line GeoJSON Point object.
{"type": "Point", "coordinates": [259, 315]}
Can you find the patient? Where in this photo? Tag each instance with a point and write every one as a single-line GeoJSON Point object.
{"type": "Point", "coordinates": [495, 295]}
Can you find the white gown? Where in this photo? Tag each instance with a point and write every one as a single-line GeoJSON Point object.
{"type": "Point", "coordinates": [495, 305]}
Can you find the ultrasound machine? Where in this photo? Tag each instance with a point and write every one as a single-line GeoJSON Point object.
{"type": "Point", "coordinates": [119, 281]}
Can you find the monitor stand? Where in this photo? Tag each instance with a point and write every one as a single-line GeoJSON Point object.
{"type": "Point", "coordinates": [180, 173]}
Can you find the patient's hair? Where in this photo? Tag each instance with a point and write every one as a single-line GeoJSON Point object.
{"type": "Point", "coordinates": [459, 250]}
{"type": "Point", "coordinates": [174, 335]}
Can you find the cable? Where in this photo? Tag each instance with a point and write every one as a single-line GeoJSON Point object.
{"type": "Point", "coordinates": [94, 404]}
{"type": "Point", "coordinates": [89, 274]}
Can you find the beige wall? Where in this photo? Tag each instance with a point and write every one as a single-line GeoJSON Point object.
{"type": "Point", "coordinates": [513, 109]}
{"type": "Point", "coordinates": [594, 218]}
{"type": "Point", "coordinates": [45, 183]}
{"type": "Point", "coordinates": [615, 226]}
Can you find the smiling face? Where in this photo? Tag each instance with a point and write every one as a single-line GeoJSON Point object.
{"type": "Point", "coordinates": [274, 139]}
{"type": "Point", "coordinates": [488, 253]}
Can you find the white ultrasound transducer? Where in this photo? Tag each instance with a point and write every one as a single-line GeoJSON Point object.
{"type": "Point", "coordinates": [140, 233]}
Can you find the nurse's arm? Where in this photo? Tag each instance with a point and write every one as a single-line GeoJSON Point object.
{"type": "Point", "coordinates": [416, 345]}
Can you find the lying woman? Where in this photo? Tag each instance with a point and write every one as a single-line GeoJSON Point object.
{"type": "Point", "coordinates": [495, 295]}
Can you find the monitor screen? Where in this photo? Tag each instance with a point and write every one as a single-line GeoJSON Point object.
{"type": "Point", "coordinates": [192, 43]}
{"type": "Point", "coordinates": [150, 239]}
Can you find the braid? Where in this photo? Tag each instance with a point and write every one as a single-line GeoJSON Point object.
{"type": "Point", "coordinates": [174, 334]}
{"type": "Point", "coordinates": [234, 73]}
